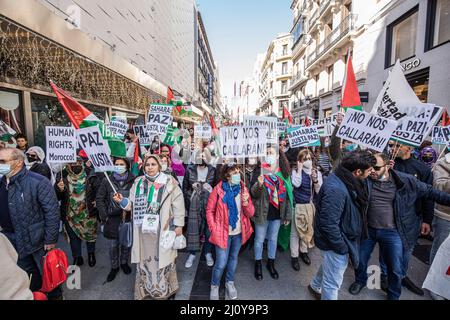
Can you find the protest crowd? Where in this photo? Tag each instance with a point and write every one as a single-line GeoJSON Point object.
{"type": "Point", "coordinates": [222, 191]}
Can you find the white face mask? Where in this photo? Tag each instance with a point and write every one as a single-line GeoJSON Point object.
{"type": "Point", "coordinates": [307, 164]}
{"type": "Point", "coordinates": [164, 167]}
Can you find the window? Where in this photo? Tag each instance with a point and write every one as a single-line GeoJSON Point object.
{"type": "Point", "coordinates": [284, 67]}
{"type": "Point", "coordinates": [283, 87]}
{"type": "Point", "coordinates": [419, 83]}
{"type": "Point", "coordinates": [438, 23]}
{"type": "Point", "coordinates": [401, 38]}
{"type": "Point", "coordinates": [11, 112]}
{"type": "Point", "coordinates": [330, 78]}
{"type": "Point", "coordinates": [285, 50]}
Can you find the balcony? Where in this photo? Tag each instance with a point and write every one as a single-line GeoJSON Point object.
{"type": "Point", "coordinates": [312, 21]}
{"type": "Point", "coordinates": [283, 74]}
{"type": "Point", "coordinates": [344, 28]}
{"type": "Point", "coordinates": [324, 6]}
{"type": "Point", "coordinates": [283, 56]}
{"type": "Point", "coordinates": [299, 45]}
{"type": "Point", "coordinates": [298, 79]}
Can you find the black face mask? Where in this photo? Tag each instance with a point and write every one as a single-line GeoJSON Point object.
{"type": "Point", "coordinates": [31, 159]}
{"type": "Point", "coordinates": [77, 169]}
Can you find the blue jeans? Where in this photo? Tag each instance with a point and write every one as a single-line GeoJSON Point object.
{"type": "Point", "coordinates": [75, 243]}
{"type": "Point", "coordinates": [391, 249]}
{"type": "Point", "coordinates": [441, 230]}
{"type": "Point", "coordinates": [405, 264]}
{"type": "Point", "coordinates": [267, 230]}
{"type": "Point", "coordinates": [329, 277]}
{"type": "Point", "coordinates": [226, 258]}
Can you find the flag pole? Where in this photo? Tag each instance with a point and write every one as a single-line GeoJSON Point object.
{"type": "Point", "coordinates": [112, 186]}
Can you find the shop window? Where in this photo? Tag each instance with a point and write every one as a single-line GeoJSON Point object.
{"type": "Point", "coordinates": [11, 109]}
{"type": "Point", "coordinates": [438, 23]}
{"type": "Point", "coordinates": [132, 118]}
{"type": "Point", "coordinates": [419, 83]}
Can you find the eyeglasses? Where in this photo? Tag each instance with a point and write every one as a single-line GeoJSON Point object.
{"type": "Point", "coordinates": [377, 168]}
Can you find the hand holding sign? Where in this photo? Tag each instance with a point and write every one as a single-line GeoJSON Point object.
{"type": "Point", "coordinates": [118, 198]}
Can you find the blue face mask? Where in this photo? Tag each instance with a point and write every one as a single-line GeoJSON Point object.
{"type": "Point", "coordinates": [120, 169]}
{"type": "Point", "coordinates": [351, 147]}
{"type": "Point", "coordinates": [5, 169]}
{"type": "Point", "coordinates": [236, 179]}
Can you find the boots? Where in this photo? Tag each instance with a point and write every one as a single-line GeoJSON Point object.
{"type": "Point", "coordinates": [91, 259]}
{"type": "Point", "coordinates": [78, 261]}
{"type": "Point", "coordinates": [295, 264]}
{"type": "Point", "coordinates": [271, 268]}
{"type": "Point", "coordinates": [258, 270]}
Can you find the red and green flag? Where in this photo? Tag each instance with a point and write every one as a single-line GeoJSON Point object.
{"type": "Point", "coordinates": [287, 116]}
{"type": "Point", "coordinates": [350, 93]}
{"type": "Point", "coordinates": [137, 159]}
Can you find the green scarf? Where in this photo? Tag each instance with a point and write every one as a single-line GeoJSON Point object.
{"type": "Point", "coordinates": [284, 234]}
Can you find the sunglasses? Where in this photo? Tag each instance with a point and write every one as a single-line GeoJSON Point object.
{"type": "Point", "coordinates": [377, 168]}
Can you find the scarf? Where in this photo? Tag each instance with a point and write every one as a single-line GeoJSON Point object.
{"type": "Point", "coordinates": [230, 200]}
{"type": "Point", "coordinates": [275, 187]}
{"type": "Point", "coordinates": [354, 186]}
{"type": "Point", "coordinates": [120, 177]}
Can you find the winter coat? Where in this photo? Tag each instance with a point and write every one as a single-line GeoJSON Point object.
{"type": "Point", "coordinates": [34, 211]}
{"type": "Point", "coordinates": [260, 197]}
{"type": "Point", "coordinates": [217, 217]}
{"type": "Point", "coordinates": [190, 178]}
{"type": "Point", "coordinates": [409, 189]}
{"type": "Point", "coordinates": [109, 211]}
{"type": "Point", "coordinates": [252, 177]}
{"type": "Point", "coordinates": [442, 182]}
{"type": "Point", "coordinates": [41, 168]}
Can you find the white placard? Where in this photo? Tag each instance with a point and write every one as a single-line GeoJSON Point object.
{"type": "Point", "coordinates": [440, 135]}
{"type": "Point", "coordinates": [61, 144]}
{"type": "Point", "coordinates": [142, 133]}
{"type": "Point", "coordinates": [243, 142]}
{"type": "Point", "coordinates": [270, 123]}
{"type": "Point", "coordinates": [97, 149]}
{"type": "Point", "coordinates": [159, 118]}
{"type": "Point", "coordinates": [366, 129]}
{"type": "Point", "coordinates": [281, 127]}
{"type": "Point", "coordinates": [438, 277]}
{"type": "Point", "coordinates": [303, 137]}
{"type": "Point", "coordinates": [202, 131]}
{"type": "Point", "coordinates": [118, 126]}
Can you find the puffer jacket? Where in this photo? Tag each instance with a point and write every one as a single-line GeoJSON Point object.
{"type": "Point", "coordinates": [110, 212]}
{"type": "Point", "coordinates": [338, 224]}
{"type": "Point", "coordinates": [41, 168]}
{"type": "Point", "coordinates": [217, 217]}
{"type": "Point", "coordinates": [442, 182]}
{"type": "Point", "coordinates": [34, 211]}
{"type": "Point", "coordinates": [260, 197]}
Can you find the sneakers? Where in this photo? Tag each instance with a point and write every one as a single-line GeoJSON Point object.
{"type": "Point", "coordinates": [214, 294]}
{"type": "Point", "coordinates": [189, 261]}
{"type": "Point", "coordinates": [209, 260]}
{"type": "Point", "coordinates": [314, 293]}
{"type": "Point", "coordinates": [231, 290]}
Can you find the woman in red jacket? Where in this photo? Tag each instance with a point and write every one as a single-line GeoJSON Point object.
{"type": "Point", "coordinates": [228, 215]}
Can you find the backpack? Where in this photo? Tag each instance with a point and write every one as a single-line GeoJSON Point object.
{"type": "Point", "coordinates": [54, 270]}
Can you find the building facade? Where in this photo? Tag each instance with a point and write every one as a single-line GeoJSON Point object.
{"type": "Point", "coordinates": [376, 33]}
{"type": "Point", "coordinates": [275, 77]}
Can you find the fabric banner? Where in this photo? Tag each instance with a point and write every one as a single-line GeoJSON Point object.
{"type": "Point", "coordinates": [243, 142]}
{"type": "Point", "coordinates": [303, 137]}
{"type": "Point", "coordinates": [61, 144]}
{"type": "Point", "coordinates": [92, 142]}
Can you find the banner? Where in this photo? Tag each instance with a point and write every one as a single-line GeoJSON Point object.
{"type": "Point", "coordinates": [414, 130]}
{"type": "Point", "coordinates": [366, 129]}
{"type": "Point", "coordinates": [270, 123]}
{"type": "Point", "coordinates": [92, 142]}
{"type": "Point", "coordinates": [118, 126]}
{"type": "Point", "coordinates": [243, 142]}
{"type": "Point", "coordinates": [325, 126]}
{"type": "Point", "coordinates": [202, 131]}
{"type": "Point", "coordinates": [281, 127]}
{"type": "Point", "coordinates": [61, 144]}
{"type": "Point", "coordinates": [142, 133]}
{"type": "Point", "coordinates": [441, 135]}
{"type": "Point", "coordinates": [159, 118]}
{"type": "Point", "coordinates": [303, 137]}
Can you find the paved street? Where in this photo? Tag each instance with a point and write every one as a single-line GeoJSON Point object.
{"type": "Point", "coordinates": [290, 286]}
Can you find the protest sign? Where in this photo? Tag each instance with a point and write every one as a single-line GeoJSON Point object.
{"type": "Point", "coordinates": [92, 142]}
{"type": "Point", "coordinates": [270, 123]}
{"type": "Point", "coordinates": [118, 126]}
{"type": "Point", "coordinates": [282, 127]}
{"type": "Point", "coordinates": [438, 277]}
{"type": "Point", "coordinates": [61, 144]}
{"type": "Point", "coordinates": [159, 118]}
{"type": "Point", "coordinates": [325, 126]}
{"type": "Point", "coordinates": [142, 133]}
{"type": "Point", "coordinates": [366, 129]}
{"type": "Point", "coordinates": [303, 137]}
{"type": "Point", "coordinates": [243, 142]}
{"type": "Point", "coordinates": [202, 131]}
{"type": "Point", "coordinates": [440, 135]}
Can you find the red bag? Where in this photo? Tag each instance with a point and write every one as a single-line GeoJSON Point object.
{"type": "Point", "coordinates": [54, 270]}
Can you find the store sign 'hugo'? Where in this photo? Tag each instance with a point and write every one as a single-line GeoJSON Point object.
{"type": "Point", "coordinates": [411, 64]}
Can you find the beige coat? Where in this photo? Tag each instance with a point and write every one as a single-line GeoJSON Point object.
{"type": "Point", "coordinates": [14, 282]}
{"type": "Point", "coordinates": [441, 181]}
{"type": "Point", "coordinates": [173, 207]}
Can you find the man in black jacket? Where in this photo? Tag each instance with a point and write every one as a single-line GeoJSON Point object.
{"type": "Point", "coordinates": [392, 221]}
{"type": "Point", "coordinates": [404, 162]}
{"type": "Point", "coordinates": [29, 214]}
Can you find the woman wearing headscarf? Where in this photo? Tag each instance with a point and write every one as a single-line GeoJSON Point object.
{"type": "Point", "coordinates": [272, 208]}
{"type": "Point", "coordinates": [157, 206]}
{"type": "Point", "coordinates": [35, 162]}
{"type": "Point", "coordinates": [80, 223]}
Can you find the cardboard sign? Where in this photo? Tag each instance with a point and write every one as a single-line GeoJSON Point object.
{"type": "Point", "coordinates": [159, 118]}
{"type": "Point", "coordinates": [118, 126]}
{"type": "Point", "coordinates": [97, 149]}
{"type": "Point", "coordinates": [269, 123]}
{"type": "Point", "coordinates": [281, 127]}
{"type": "Point", "coordinates": [243, 142]}
{"type": "Point", "coordinates": [303, 137]}
{"type": "Point", "coordinates": [142, 133]}
{"type": "Point", "coordinates": [139, 209]}
{"type": "Point", "coordinates": [202, 131]}
{"type": "Point", "coordinates": [61, 144]}
{"type": "Point", "coordinates": [366, 129]}
{"type": "Point", "coordinates": [440, 135]}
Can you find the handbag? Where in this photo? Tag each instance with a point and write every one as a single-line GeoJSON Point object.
{"type": "Point", "coordinates": [126, 234]}
{"type": "Point", "coordinates": [179, 243]}
{"type": "Point", "coordinates": [167, 240]}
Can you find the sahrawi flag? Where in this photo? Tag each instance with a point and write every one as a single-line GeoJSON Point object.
{"type": "Point", "coordinates": [83, 118]}
{"type": "Point", "coordinates": [350, 93]}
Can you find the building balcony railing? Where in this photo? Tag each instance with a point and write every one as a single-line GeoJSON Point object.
{"type": "Point", "coordinates": [313, 19]}
{"type": "Point", "coordinates": [301, 42]}
{"type": "Point", "coordinates": [347, 25]}
{"type": "Point", "coordinates": [283, 74]}
{"type": "Point", "coordinates": [297, 79]}
{"type": "Point", "coordinates": [283, 55]}
{"type": "Point", "coordinates": [324, 6]}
